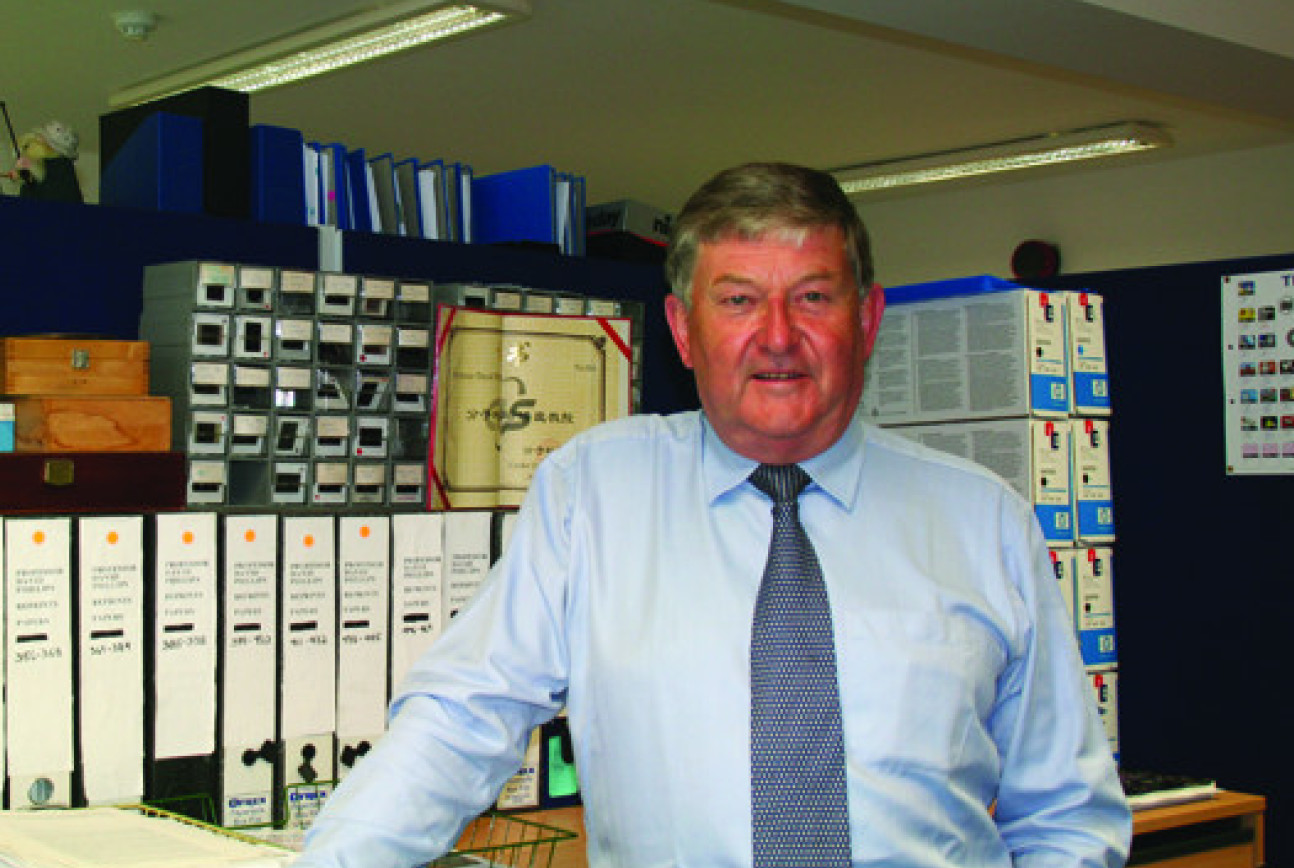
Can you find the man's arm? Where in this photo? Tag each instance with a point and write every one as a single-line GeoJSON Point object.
{"type": "Point", "coordinates": [460, 722]}
{"type": "Point", "coordinates": [1059, 799]}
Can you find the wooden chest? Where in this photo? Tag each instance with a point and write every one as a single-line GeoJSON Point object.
{"type": "Point", "coordinates": [99, 482]}
{"type": "Point", "coordinates": [73, 366]}
{"type": "Point", "coordinates": [98, 424]}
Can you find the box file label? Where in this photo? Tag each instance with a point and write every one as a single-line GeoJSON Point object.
{"type": "Point", "coordinates": [110, 708]}
{"type": "Point", "coordinates": [416, 588]}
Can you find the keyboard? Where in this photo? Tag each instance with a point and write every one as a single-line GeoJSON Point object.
{"type": "Point", "coordinates": [1147, 789]}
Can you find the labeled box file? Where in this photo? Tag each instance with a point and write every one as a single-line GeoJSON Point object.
{"type": "Point", "coordinates": [38, 642]}
{"type": "Point", "coordinates": [290, 482]}
{"type": "Point", "coordinates": [292, 436]}
{"type": "Point", "coordinates": [256, 286]}
{"type": "Point", "coordinates": [373, 344]}
{"type": "Point", "coordinates": [294, 340]}
{"type": "Point", "coordinates": [307, 665]}
{"type": "Point", "coordinates": [253, 337]}
{"type": "Point", "coordinates": [294, 388]}
{"type": "Point", "coordinates": [332, 436]}
{"type": "Point", "coordinates": [190, 286]}
{"type": "Point", "coordinates": [369, 483]}
{"type": "Point", "coordinates": [335, 343]}
{"type": "Point", "coordinates": [330, 483]}
{"type": "Point", "coordinates": [208, 433]}
{"type": "Point", "coordinates": [413, 302]}
{"type": "Point", "coordinates": [363, 592]}
{"type": "Point", "coordinates": [249, 435]}
{"type": "Point", "coordinates": [376, 297]}
{"type": "Point", "coordinates": [1105, 692]}
{"type": "Point", "coordinates": [248, 690]}
{"type": "Point", "coordinates": [207, 482]}
{"type": "Point", "coordinates": [337, 294]}
{"type": "Point", "coordinates": [297, 293]}
{"type": "Point", "coordinates": [251, 388]}
{"type": "Point", "coordinates": [372, 436]}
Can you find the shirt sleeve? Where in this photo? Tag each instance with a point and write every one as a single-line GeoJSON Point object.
{"type": "Point", "coordinates": [459, 724]}
{"type": "Point", "coordinates": [1059, 800]}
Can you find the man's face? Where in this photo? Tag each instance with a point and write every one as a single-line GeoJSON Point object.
{"type": "Point", "coordinates": [777, 337]}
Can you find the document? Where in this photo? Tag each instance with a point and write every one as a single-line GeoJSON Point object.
{"type": "Point", "coordinates": [364, 582]}
{"type": "Point", "coordinates": [417, 574]}
{"type": "Point", "coordinates": [38, 661]}
{"type": "Point", "coordinates": [110, 676]}
{"type": "Point", "coordinates": [467, 558]}
{"type": "Point", "coordinates": [308, 665]}
{"type": "Point", "coordinates": [248, 682]}
{"type": "Point", "coordinates": [513, 387]}
{"type": "Point", "coordinates": [180, 770]}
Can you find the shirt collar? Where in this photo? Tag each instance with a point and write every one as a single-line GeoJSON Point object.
{"type": "Point", "coordinates": [837, 471]}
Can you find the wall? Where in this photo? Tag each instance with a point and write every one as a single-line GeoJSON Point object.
{"type": "Point", "coordinates": [1187, 210]}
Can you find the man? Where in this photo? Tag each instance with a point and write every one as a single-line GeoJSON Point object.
{"type": "Point", "coordinates": [958, 729]}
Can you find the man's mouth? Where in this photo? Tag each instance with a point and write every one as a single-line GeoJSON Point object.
{"type": "Point", "coordinates": [776, 376]}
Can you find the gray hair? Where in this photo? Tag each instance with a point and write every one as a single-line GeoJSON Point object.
{"type": "Point", "coordinates": [758, 200]}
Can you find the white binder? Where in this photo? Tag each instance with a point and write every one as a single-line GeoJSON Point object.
{"type": "Point", "coordinates": [307, 665]}
{"type": "Point", "coordinates": [110, 672]}
{"type": "Point", "coordinates": [363, 589]}
{"type": "Point", "coordinates": [38, 662]}
{"type": "Point", "coordinates": [248, 682]}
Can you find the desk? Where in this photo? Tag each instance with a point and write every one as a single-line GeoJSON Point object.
{"type": "Point", "coordinates": [1228, 816]}
{"type": "Point", "coordinates": [1224, 832]}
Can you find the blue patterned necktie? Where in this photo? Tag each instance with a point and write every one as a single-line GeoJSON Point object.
{"type": "Point", "coordinates": [800, 809]}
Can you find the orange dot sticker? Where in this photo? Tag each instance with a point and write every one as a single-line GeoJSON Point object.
{"type": "Point", "coordinates": [308, 541]}
{"type": "Point", "coordinates": [250, 536]}
{"type": "Point", "coordinates": [38, 537]}
{"type": "Point", "coordinates": [113, 538]}
{"type": "Point", "coordinates": [188, 537]}
{"type": "Point", "coordinates": [365, 532]}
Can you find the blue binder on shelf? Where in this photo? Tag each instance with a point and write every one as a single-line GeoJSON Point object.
{"type": "Point", "coordinates": [278, 175]}
{"type": "Point", "coordinates": [519, 205]}
{"type": "Point", "coordinates": [334, 195]}
{"type": "Point", "coordinates": [386, 201]}
{"type": "Point", "coordinates": [358, 178]}
{"type": "Point", "coordinates": [410, 196]}
{"type": "Point", "coordinates": [433, 200]}
{"type": "Point", "coordinates": [160, 167]}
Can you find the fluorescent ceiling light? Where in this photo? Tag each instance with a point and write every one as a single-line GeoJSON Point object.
{"type": "Point", "coordinates": [351, 39]}
{"type": "Point", "coordinates": [1024, 153]}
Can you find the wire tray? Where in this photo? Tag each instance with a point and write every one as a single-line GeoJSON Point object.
{"type": "Point", "coordinates": [504, 839]}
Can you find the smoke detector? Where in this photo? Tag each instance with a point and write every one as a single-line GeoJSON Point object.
{"type": "Point", "coordinates": [135, 24]}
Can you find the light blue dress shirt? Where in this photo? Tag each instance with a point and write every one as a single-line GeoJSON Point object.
{"type": "Point", "coordinates": [626, 595]}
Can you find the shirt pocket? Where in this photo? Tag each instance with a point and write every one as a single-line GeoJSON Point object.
{"type": "Point", "coordinates": [915, 687]}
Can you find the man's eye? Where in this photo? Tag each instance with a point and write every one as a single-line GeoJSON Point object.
{"type": "Point", "coordinates": [735, 300]}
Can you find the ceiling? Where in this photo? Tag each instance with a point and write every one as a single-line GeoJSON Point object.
{"type": "Point", "coordinates": [646, 98]}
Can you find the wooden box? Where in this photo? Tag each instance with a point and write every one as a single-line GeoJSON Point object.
{"type": "Point", "coordinates": [99, 482]}
{"type": "Point", "coordinates": [73, 366]}
{"type": "Point", "coordinates": [99, 424]}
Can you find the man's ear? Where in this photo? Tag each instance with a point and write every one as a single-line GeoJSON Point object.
{"type": "Point", "coordinates": [676, 313]}
{"type": "Point", "coordinates": [870, 312]}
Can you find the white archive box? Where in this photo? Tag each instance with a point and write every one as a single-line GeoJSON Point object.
{"type": "Point", "coordinates": [1105, 690]}
{"type": "Point", "coordinates": [975, 348]}
{"type": "Point", "coordinates": [1089, 371]}
{"type": "Point", "coordinates": [1093, 493]}
{"type": "Point", "coordinates": [1031, 455]}
{"type": "Point", "coordinates": [1062, 565]}
{"type": "Point", "coordinates": [1094, 602]}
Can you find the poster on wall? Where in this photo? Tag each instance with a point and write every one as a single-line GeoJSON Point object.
{"type": "Point", "coordinates": [1258, 371]}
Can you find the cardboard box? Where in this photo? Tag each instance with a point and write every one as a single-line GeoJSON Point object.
{"type": "Point", "coordinates": [978, 348]}
{"type": "Point", "coordinates": [1093, 493]}
{"type": "Point", "coordinates": [1094, 599]}
{"type": "Point", "coordinates": [73, 366]}
{"type": "Point", "coordinates": [1087, 363]}
{"type": "Point", "coordinates": [1031, 455]}
{"type": "Point", "coordinates": [1105, 690]}
{"type": "Point", "coordinates": [98, 424]}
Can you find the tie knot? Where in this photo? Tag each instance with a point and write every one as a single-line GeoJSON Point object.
{"type": "Point", "coordinates": [782, 482]}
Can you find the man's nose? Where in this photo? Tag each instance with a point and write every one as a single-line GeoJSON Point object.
{"type": "Point", "coordinates": [779, 325]}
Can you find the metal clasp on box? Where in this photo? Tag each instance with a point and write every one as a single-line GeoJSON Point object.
{"type": "Point", "coordinates": [60, 472]}
{"type": "Point", "coordinates": [80, 360]}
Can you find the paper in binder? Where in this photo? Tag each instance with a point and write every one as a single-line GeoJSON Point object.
{"type": "Point", "coordinates": [417, 574]}
{"type": "Point", "coordinates": [38, 662]}
{"type": "Point", "coordinates": [363, 591]}
{"type": "Point", "coordinates": [181, 739]}
{"type": "Point", "coordinates": [248, 686]}
{"type": "Point", "coordinates": [307, 666]}
{"type": "Point", "coordinates": [110, 676]}
{"type": "Point", "coordinates": [467, 558]}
